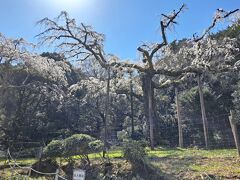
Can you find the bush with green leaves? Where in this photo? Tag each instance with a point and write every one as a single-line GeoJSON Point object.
{"type": "Point", "coordinates": [77, 144]}
{"type": "Point", "coordinates": [81, 144]}
{"type": "Point", "coordinates": [95, 146]}
{"type": "Point", "coordinates": [54, 149]}
{"type": "Point", "coordinates": [134, 152]}
{"type": "Point", "coordinates": [123, 135]}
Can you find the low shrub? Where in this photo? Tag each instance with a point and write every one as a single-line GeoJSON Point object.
{"type": "Point", "coordinates": [77, 144]}
{"type": "Point", "coordinates": [95, 146]}
{"type": "Point", "coordinates": [134, 152]}
{"type": "Point", "coordinates": [53, 149]}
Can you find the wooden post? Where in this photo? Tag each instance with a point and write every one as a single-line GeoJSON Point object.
{"type": "Point", "coordinates": [29, 172]}
{"type": "Point", "coordinates": [180, 132]}
{"type": "Point", "coordinates": [56, 176]}
{"type": "Point", "coordinates": [39, 156]}
{"type": "Point", "coordinates": [13, 168]}
{"type": "Point", "coordinates": [203, 111]}
{"type": "Point", "coordinates": [234, 131]}
{"type": "Point", "coordinates": [12, 172]}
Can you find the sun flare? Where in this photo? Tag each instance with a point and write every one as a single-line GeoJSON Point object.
{"type": "Point", "coordinates": [69, 4]}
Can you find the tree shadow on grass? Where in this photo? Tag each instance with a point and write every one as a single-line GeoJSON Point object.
{"type": "Point", "coordinates": [174, 167]}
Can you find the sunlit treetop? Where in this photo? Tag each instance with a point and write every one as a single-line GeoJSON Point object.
{"type": "Point", "coordinates": [18, 52]}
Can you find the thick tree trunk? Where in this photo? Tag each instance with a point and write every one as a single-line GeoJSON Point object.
{"type": "Point", "coordinates": [180, 131]}
{"type": "Point", "coordinates": [235, 132]}
{"type": "Point", "coordinates": [131, 99]}
{"type": "Point", "coordinates": [203, 111]}
{"type": "Point", "coordinates": [106, 113]}
{"type": "Point", "coordinates": [150, 115]}
{"type": "Point", "coordinates": [148, 92]}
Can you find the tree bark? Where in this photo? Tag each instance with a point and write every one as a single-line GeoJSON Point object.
{"type": "Point", "coordinates": [148, 93]}
{"type": "Point", "coordinates": [180, 131]}
{"type": "Point", "coordinates": [235, 132]}
{"type": "Point", "coordinates": [203, 111]}
{"type": "Point", "coordinates": [131, 99]}
{"type": "Point", "coordinates": [150, 115]}
{"type": "Point", "coordinates": [106, 112]}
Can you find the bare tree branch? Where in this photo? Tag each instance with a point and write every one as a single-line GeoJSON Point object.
{"type": "Point", "coordinates": [165, 23]}
{"type": "Point", "coordinates": [127, 65]}
{"type": "Point", "coordinates": [220, 14]}
{"type": "Point", "coordinates": [168, 19]}
{"type": "Point", "coordinates": [75, 40]}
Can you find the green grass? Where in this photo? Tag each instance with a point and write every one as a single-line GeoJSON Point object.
{"type": "Point", "coordinates": [115, 154]}
{"type": "Point", "coordinates": [180, 163]}
{"type": "Point", "coordinates": [180, 153]}
{"type": "Point", "coordinates": [158, 152]}
{"type": "Point", "coordinates": [110, 154]}
{"type": "Point", "coordinates": [22, 161]}
{"type": "Point", "coordinates": [196, 163]}
{"type": "Point", "coordinates": [226, 169]}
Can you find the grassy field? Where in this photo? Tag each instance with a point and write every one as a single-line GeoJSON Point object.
{"type": "Point", "coordinates": [177, 163]}
{"type": "Point", "coordinates": [197, 164]}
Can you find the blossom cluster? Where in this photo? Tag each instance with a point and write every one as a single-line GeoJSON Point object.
{"type": "Point", "coordinates": [207, 54]}
{"type": "Point", "coordinates": [16, 52]}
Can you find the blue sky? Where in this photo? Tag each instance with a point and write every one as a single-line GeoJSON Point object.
{"type": "Point", "coordinates": [126, 23]}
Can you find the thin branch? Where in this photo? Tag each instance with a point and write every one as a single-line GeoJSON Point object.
{"type": "Point", "coordinates": [215, 20]}
{"type": "Point", "coordinates": [158, 46]}
{"type": "Point", "coordinates": [80, 38]}
{"type": "Point", "coordinates": [170, 19]}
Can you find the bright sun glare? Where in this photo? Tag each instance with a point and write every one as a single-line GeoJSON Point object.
{"type": "Point", "coordinates": [69, 4]}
